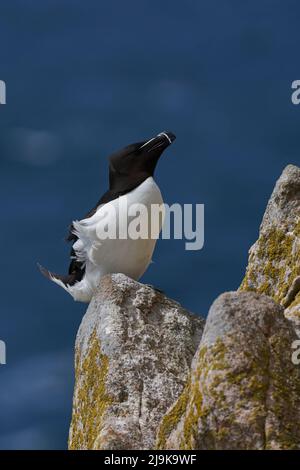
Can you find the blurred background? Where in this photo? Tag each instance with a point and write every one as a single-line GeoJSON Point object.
{"type": "Point", "coordinates": [86, 78]}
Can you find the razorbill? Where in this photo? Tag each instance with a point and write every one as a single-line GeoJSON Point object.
{"type": "Point", "coordinates": [130, 177]}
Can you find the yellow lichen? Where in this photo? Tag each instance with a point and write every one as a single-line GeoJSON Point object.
{"type": "Point", "coordinates": [172, 418]}
{"type": "Point", "coordinates": [274, 262]}
{"type": "Point", "coordinates": [90, 398]}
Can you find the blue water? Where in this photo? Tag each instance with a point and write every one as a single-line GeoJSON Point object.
{"type": "Point", "coordinates": [85, 78]}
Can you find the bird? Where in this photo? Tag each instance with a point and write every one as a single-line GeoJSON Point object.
{"type": "Point", "coordinates": [131, 180]}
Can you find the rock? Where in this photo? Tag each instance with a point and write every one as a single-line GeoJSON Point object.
{"type": "Point", "coordinates": [244, 391]}
{"type": "Point", "coordinates": [138, 385]}
{"type": "Point", "coordinates": [274, 267]}
{"type": "Point", "coordinates": [133, 354]}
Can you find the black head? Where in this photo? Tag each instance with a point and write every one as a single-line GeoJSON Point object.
{"type": "Point", "coordinates": [133, 164]}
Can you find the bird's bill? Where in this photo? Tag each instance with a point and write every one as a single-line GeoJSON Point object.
{"type": "Point", "coordinates": [161, 140]}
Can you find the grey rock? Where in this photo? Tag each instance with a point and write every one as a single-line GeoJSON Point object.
{"type": "Point", "coordinates": [133, 354]}
{"type": "Point", "coordinates": [244, 391]}
{"type": "Point", "coordinates": [274, 267]}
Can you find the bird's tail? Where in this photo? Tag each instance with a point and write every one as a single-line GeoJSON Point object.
{"type": "Point", "coordinates": [64, 281]}
{"type": "Point", "coordinates": [79, 290]}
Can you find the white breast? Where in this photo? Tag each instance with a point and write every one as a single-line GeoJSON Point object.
{"type": "Point", "coordinates": [127, 256]}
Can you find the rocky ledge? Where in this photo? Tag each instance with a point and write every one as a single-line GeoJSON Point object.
{"type": "Point", "coordinates": [133, 354]}
{"type": "Point", "coordinates": [150, 375]}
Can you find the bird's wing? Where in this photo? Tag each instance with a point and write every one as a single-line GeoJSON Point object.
{"type": "Point", "coordinates": [87, 235]}
{"type": "Point", "coordinates": [107, 197]}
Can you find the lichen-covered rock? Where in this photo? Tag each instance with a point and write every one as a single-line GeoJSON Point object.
{"type": "Point", "coordinates": [244, 391]}
{"type": "Point", "coordinates": [274, 260]}
{"type": "Point", "coordinates": [133, 354]}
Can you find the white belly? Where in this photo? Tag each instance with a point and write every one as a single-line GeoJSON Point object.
{"type": "Point", "coordinates": [128, 256]}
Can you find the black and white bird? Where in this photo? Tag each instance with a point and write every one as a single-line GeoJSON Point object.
{"type": "Point", "coordinates": [131, 173]}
